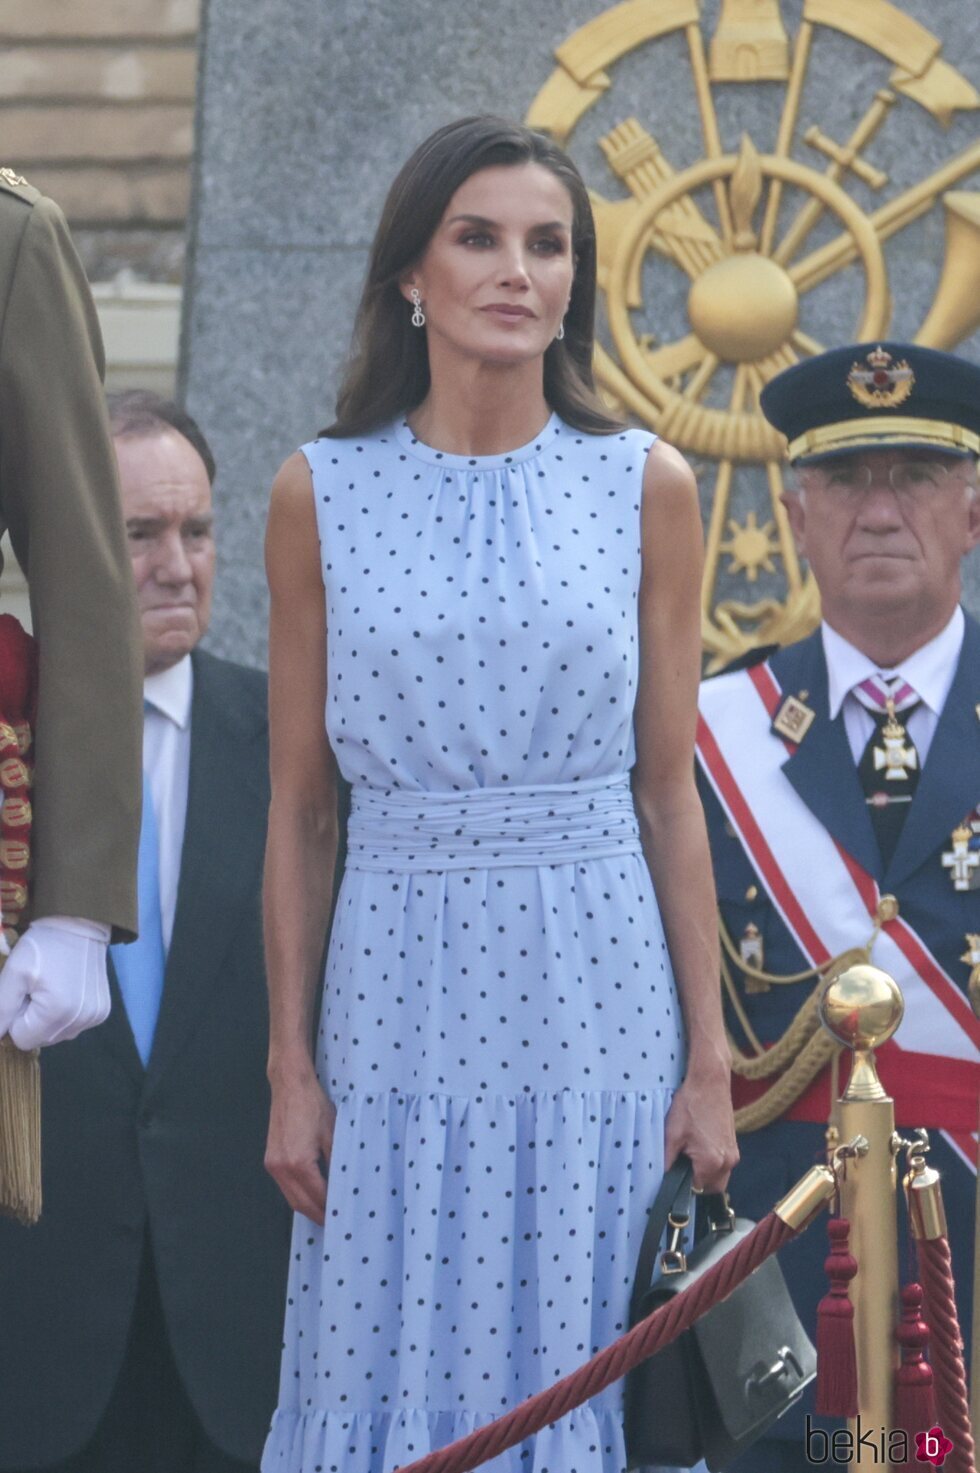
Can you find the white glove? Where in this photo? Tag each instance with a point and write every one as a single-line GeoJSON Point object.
{"type": "Point", "coordinates": [54, 984]}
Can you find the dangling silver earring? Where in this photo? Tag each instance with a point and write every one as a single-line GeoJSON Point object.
{"type": "Point", "coordinates": [561, 331]}
{"type": "Point", "coordinates": [418, 316]}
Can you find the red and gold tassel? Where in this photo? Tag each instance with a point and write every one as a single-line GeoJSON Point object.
{"type": "Point", "coordinates": [837, 1389]}
{"type": "Point", "coordinates": [915, 1399]}
{"type": "Point", "coordinates": [20, 1073]}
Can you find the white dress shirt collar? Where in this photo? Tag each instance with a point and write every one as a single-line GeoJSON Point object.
{"type": "Point", "coordinates": [929, 670]}
{"type": "Point", "coordinates": [169, 692]}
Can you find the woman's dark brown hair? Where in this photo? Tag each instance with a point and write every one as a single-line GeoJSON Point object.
{"type": "Point", "coordinates": [388, 372]}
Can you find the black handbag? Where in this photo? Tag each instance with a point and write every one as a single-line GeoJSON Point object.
{"type": "Point", "coordinates": [721, 1384]}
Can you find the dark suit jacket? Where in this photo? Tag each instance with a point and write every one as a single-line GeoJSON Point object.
{"type": "Point", "coordinates": [59, 498]}
{"type": "Point", "coordinates": [179, 1146]}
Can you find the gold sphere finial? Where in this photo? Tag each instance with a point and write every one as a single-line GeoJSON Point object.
{"type": "Point", "coordinates": [862, 1008]}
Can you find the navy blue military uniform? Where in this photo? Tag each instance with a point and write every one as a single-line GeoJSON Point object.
{"type": "Point", "coordinates": [816, 409]}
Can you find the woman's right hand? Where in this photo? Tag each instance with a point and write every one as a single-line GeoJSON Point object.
{"type": "Point", "coordinates": [297, 1154]}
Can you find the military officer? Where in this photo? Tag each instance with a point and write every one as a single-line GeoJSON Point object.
{"type": "Point", "coordinates": [841, 780]}
{"type": "Point", "coordinates": [60, 502]}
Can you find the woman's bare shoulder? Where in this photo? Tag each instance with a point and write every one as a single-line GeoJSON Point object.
{"type": "Point", "coordinates": [666, 469]}
{"type": "Point", "coordinates": [293, 480]}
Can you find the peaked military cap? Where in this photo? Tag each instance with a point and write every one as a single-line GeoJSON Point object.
{"type": "Point", "coordinates": [876, 396]}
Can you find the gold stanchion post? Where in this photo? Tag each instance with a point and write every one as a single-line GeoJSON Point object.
{"type": "Point", "coordinates": [862, 1009]}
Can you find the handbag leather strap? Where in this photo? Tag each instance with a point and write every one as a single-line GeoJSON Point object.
{"type": "Point", "coordinates": [672, 1197]}
{"type": "Point", "coordinates": [674, 1189]}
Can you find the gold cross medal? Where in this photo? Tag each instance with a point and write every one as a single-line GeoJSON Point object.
{"type": "Point", "coordinates": [895, 757]}
{"type": "Point", "coordinates": [962, 861]}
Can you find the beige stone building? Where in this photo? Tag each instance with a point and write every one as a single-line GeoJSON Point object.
{"type": "Point", "coordinates": [97, 110]}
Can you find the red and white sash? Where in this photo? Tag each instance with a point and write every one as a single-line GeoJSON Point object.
{"type": "Point", "coordinates": [790, 850]}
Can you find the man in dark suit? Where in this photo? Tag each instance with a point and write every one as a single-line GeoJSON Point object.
{"type": "Point", "coordinates": [141, 1320]}
{"type": "Point", "coordinates": [841, 779]}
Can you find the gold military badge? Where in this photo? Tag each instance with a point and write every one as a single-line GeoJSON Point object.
{"type": "Point", "coordinates": [880, 382]}
{"type": "Point", "coordinates": [12, 180]}
{"type": "Point", "coordinates": [793, 719]}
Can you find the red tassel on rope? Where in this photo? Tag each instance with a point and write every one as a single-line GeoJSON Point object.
{"type": "Point", "coordinates": [837, 1389]}
{"type": "Point", "coordinates": [915, 1399]}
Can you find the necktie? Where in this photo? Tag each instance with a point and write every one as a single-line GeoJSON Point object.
{"type": "Point", "coordinates": [140, 965]}
{"type": "Point", "coordinates": [889, 765]}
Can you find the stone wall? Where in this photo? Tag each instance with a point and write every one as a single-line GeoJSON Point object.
{"type": "Point", "coordinates": [308, 109]}
{"type": "Point", "coordinates": [97, 110]}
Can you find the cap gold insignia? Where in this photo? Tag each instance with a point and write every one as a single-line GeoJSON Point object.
{"type": "Point", "coordinates": [880, 382]}
{"type": "Point", "coordinates": [16, 181]}
{"type": "Point", "coordinates": [793, 719]}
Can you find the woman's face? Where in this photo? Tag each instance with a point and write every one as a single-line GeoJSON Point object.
{"type": "Point", "coordinates": [496, 277]}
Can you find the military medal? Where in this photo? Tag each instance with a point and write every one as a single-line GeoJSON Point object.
{"type": "Point", "coordinates": [793, 719]}
{"type": "Point", "coordinates": [895, 757]}
{"type": "Point", "coordinates": [962, 861]}
{"type": "Point", "coordinates": [752, 952]}
{"type": "Point", "coordinates": [972, 958]}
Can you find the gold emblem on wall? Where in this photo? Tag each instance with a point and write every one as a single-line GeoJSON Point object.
{"type": "Point", "coordinates": [739, 224]}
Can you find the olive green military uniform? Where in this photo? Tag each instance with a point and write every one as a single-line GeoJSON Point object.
{"type": "Point", "coordinates": [60, 501]}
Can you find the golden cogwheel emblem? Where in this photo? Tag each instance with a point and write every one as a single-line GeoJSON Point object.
{"type": "Point", "coordinates": [718, 272]}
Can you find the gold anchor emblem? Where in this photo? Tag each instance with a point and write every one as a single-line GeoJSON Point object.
{"type": "Point", "coordinates": [961, 860]}
{"type": "Point", "coordinates": [895, 758]}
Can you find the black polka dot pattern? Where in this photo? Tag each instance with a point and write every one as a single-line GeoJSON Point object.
{"type": "Point", "coordinates": [395, 832]}
{"type": "Point", "coordinates": [500, 1031]}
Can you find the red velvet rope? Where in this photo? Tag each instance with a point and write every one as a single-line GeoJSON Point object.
{"type": "Point", "coordinates": [946, 1352]}
{"type": "Point", "coordinates": [650, 1335]}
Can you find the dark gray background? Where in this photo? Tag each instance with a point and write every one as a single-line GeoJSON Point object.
{"type": "Point", "coordinates": [307, 109]}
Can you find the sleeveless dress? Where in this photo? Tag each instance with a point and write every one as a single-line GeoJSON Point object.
{"type": "Point", "coordinates": [500, 1030]}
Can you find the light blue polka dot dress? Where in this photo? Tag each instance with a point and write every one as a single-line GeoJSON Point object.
{"type": "Point", "coordinates": [500, 1029]}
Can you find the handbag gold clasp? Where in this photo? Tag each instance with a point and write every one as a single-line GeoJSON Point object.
{"type": "Point", "coordinates": [673, 1260]}
{"type": "Point", "coordinates": [722, 1218]}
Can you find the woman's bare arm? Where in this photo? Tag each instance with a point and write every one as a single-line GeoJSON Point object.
{"type": "Point", "coordinates": [301, 850]}
{"type": "Point", "coordinates": [671, 819]}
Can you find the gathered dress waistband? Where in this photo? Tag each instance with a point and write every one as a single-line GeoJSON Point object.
{"type": "Point", "coordinates": [558, 823]}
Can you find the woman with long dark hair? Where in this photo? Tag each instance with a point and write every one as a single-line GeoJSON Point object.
{"type": "Point", "coordinates": [490, 587]}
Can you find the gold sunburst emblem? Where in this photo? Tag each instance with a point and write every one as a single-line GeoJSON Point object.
{"type": "Point", "coordinates": [751, 547]}
{"type": "Point", "coordinates": [716, 270]}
